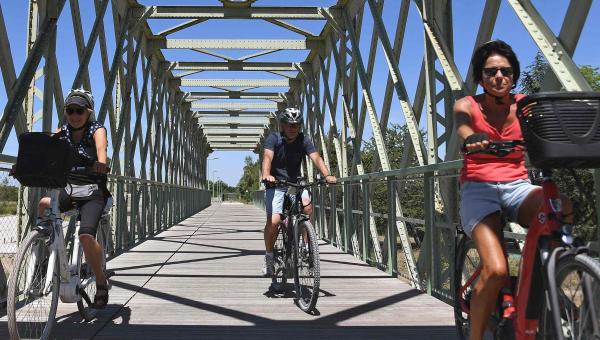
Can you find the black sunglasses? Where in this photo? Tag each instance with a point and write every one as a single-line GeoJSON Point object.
{"type": "Point", "coordinates": [78, 110]}
{"type": "Point", "coordinates": [491, 71]}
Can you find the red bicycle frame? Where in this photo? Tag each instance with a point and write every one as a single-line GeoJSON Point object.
{"type": "Point", "coordinates": [547, 221]}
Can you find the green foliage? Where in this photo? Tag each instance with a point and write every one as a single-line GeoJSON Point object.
{"type": "Point", "coordinates": [248, 184]}
{"type": "Point", "coordinates": [8, 198]}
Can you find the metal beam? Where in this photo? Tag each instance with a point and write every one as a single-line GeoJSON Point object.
{"type": "Point", "coordinates": [233, 106]}
{"type": "Point", "coordinates": [238, 44]}
{"type": "Point", "coordinates": [219, 12]}
{"type": "Point", "coordinates": [235, 95]}
{"type": "Point", "coordinates": [231, 132]}
{"type": "Point", "coordinates": [237, 82]}
{"type": "Point", "coordinates": [234, 120]}
{"type": "Point", "coordinates": [233, 113]}
{"type": "Point", "coordinates": [233, 65]}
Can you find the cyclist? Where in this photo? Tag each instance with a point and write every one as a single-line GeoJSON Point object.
{"type": "Point", "coordinates": [492, 185]}
{"type": "Point", "coordinates": [282, 158]}
{"type": "Point", "coordinates": [88, 138]}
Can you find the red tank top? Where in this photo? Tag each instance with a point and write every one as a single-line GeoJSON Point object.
{"type": "Point", "coordinates": [489, 168]}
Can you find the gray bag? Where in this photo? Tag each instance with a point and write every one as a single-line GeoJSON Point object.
{"type": "Point", "coordinates": [81, 191]}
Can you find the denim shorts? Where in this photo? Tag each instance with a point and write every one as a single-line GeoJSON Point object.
{"type": "Point", "coordinates": [274, 198]}
{"type": "Point", "coordinates": [480, 199]}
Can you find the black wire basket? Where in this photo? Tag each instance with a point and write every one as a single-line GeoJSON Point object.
{"type": "Point", "coordinates": [561, 129]}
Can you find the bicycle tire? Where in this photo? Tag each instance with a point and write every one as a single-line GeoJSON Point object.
{"type": "Point", "coordinates": [463, 270]}
{"type": "Point", "coordinates": [589, 299]}
{"type": "Point", "coordinates": [307, 270]}
{"type": "Point", "coordinates": [87, 278]}
{"type": "Point", "coordinates": [20, 323]}
{"type": "Point", "coordinates": [280, 255]}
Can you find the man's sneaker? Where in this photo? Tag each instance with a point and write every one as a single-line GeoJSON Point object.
{"type": "Point", "coordinates": [269, 266]}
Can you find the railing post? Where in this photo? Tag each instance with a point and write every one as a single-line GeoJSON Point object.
{"type": "Point", "coordinates": [429, 225]}
{"type": "Point", "coordinates": [347, 218]}
{"type": "Point", "coordinates": [392, 263]}
{"type": "Point", "coordinates": [366, 220]}
{"type": "Point", "coordinates": [333, 217]}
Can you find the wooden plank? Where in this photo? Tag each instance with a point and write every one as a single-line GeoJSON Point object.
{"type": "Point", "coordinates": [201, 279]}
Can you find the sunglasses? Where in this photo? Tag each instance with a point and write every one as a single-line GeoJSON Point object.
{"type": "Point", "coordinates": [293, 126]}
{"type": "Point", "coordinates": [492, 71]}
{"type": "Point", "coordinates": [78, 110]}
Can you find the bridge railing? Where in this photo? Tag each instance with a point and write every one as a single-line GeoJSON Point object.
{"type": "Point", "coordinates": [141, 209]}
{"type": "Point", "coordinates": [398, 221]}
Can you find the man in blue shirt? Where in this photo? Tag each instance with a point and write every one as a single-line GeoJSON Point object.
{"type": "Point", "coordinates": [282, 159]}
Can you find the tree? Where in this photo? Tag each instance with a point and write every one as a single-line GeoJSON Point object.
{"type": "Point", "coordinates": [249, 182]}
{"type": "Point", "coordinates": [579, 193]}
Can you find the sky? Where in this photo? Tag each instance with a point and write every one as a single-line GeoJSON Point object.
{"type": "Point", "coordinates": [229, 164]}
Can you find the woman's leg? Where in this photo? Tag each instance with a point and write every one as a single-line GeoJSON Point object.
{"type": "Point", "coordinates": [91, 212]}
{"type": "Point", "coordinates": [493, 275]}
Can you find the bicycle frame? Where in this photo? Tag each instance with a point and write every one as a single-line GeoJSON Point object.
{"type": "Point", "coordinates": [536, 253]}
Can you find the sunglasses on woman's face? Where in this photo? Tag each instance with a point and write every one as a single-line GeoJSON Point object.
{"type": "Point", "coordinates": [492, 71]}
{"type": "Point", "coordinates": [77, 110]}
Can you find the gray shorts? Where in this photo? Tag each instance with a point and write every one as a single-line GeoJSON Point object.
{"type": "Point", "coordinates": [274, 198]}
{"type": "Point", "coordinates": [480, 199]}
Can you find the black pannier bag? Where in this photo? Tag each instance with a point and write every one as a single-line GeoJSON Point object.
{"type": "Point", "coordinates": [43, 160]}
{"type": "Point", "coordinates": [561, 129]}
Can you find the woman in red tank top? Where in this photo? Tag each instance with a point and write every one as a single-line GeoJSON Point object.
{"type": "Point", "coordinates": [492, 185]}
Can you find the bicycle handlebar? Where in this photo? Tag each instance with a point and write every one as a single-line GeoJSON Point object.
{"type": "Point", "coordinates": [501, 148]}
{"type": "Point", "coordinates": [280, 182]}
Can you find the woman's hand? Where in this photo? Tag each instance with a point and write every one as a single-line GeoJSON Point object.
{"type": "Point", "coordinates": [99, 168]}
{"type": "Point", "coordinates": [330, 179]}
{"type": "Point", "coordinates": [476, 142]}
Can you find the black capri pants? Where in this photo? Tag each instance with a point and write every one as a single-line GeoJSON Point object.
{"type": "Point", "coordinates": [90, 209]}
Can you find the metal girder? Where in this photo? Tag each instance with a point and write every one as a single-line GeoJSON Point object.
{"type": "Point", "coordinates": [233, 106]}
{"type": "Point", "coordinates": [233, 144]}
{"type": "Point", "coordinates": [235, 95]}
{"type": "Point", "coordinates": [235, 132]}
{"type": "Point", "coordinates": [241, 139]}
{"type": "Point", "coordinates": [234, 113]}
{"type": "Point", "coordinates": [558, 58]}
{"type": "Point", "coordinates": [234, 120]}
{"type": "Point", "coordinates": [233, 65]}
{"type": "Point", "coordinates": [237, 82]}
{"type": "Point", "coordinates": [219, 12]}
{"type": "Point", "coordinates": [238, 44]}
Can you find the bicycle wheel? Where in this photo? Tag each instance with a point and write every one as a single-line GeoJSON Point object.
{"type": "Point", "coordinates": [466, 263]}
{"type": "Point", "coordinates": [307, 272]}
{"type": "Point", "coordinates": [87, 283]}
{"type": "Point", "coordinates": [577, 278]}
{"type": "Point", "coordinates": [280, 255]}
{"type": "Point", "coordinates": [32, 300]}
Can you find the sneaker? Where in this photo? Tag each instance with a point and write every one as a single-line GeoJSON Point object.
{"type": "Point", "coordinates": [269, 266]}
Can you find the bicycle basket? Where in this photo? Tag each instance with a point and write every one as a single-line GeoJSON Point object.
{"type": "Point", "coordinates": [561, 129]}
{"type": "Point", "coordinates": [43, 160]}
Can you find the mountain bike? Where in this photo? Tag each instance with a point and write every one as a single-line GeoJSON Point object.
{"type": "Point", "coordinates": [296, 251]}
{"type": "Point", "coordinates": [556, 294]}
{"type": "Point", "coordinates": [49, 264]}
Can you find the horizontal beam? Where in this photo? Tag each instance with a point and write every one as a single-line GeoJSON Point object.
{"type": "Point", "coordinates": [233, 113]}
{"type": "Point", "coordinates": [236, 95]}
{"type": "Point", "coordinates": [234, 106]}
{"type": "Point", "coordinates": [219, 12]}
{"type": "Point", "coordinates": [231, 66]}
{"type": "Point", "coordinates": [237, 82]}
{"type": "Point", "coordinates": [242, 139]}
{"type": "Point", "coordinates": [234, 120]}
{"type": "Point", "coordinates": [226, 145]}
{"type": "Point", "coordinates": [233, 132]}
{"type": "Point", "coordinates": [238, 44]}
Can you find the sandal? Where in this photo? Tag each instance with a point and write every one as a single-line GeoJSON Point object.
{"type": "Point", "coordinates": [101, 296]}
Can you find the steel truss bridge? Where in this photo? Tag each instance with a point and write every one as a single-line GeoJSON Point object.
{"type": "Point", "coordinates": [165, 114]}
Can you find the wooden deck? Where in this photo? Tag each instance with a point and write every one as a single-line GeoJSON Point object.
{"type": "Point", "coordinates": [201, 280]}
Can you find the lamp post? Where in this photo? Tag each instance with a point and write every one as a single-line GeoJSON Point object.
{"type": "Point", "coordinates": [208, 169]}
{"type": "Point", "coordinates": [213, 188]}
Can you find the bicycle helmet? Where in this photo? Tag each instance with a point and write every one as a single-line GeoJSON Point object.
{"type": "Point", "coordinates": [290, 115]}
{"type": "Point", "coordinates": [80, 97]}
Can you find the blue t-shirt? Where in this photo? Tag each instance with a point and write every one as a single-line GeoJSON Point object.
{"type": "Point", "coordinates": [287, 158]}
